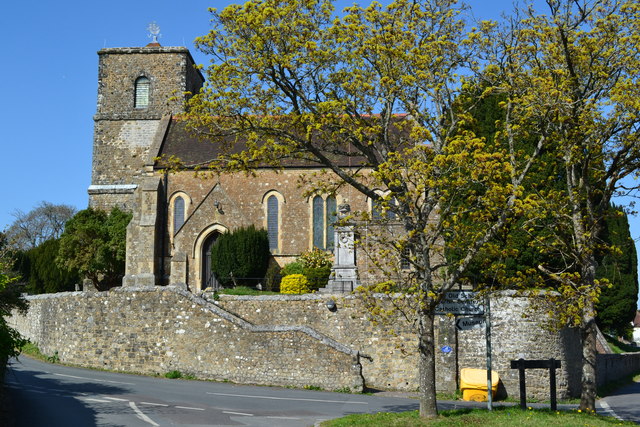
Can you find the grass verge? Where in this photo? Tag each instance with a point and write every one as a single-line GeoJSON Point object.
{"type": "Point", "coordinates": [245, 290]}
{"type": "Point", "coordinates": [499, 417]}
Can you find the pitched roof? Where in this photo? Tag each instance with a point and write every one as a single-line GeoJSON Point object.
{"type": "Point", "coordinates": [194, 151]}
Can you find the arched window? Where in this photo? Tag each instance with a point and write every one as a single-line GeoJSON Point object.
{"type": "Point", "coordinates": [272, 221]}
{"type": "Point", "coordinates": [318, 222]}
{"type": "Point", "coordinates": [141, 99]}
{"type": "Point", "coordinates": [376, 210]}
{"type": "Point", "coordinates": [178, 213]}
{"type": "Point", "coordinates": [324, 213]}
{"type": "Point", "coordinates": [331, 216]}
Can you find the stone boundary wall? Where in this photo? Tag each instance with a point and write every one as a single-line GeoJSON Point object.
{"type": "Point", "coordinates": [155, 330]}
{"type": "Point", "coordinates": [284, 340]}
{"type": "Point", "coordinates": [612, 367]}
{"type": "Point", "coordinates": [393, 361]}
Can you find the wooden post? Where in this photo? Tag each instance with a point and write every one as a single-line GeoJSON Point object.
{"type": "Point", "coordinates": [551, 364]}
{"type": "Point", "coordinates": [552, 383]}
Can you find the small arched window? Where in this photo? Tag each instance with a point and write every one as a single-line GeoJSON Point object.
{"type": "Point", "coordinates": [272, 222]}
{"type": "Point", "coordinates": [318, 222]}
{"type": "Point", "coordinates": [331, 217]}
{"type": "Point", "coordinates": [178, 213]}
{"type": "Point", "coordinates": [141, 99]}
{"type": "Point", "coordinates": [324, 213]}
{"type": "Point", "coordinates": [376, 210]}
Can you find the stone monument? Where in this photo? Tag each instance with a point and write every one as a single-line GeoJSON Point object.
{"type": "Point", "coordinates": [344, 273]}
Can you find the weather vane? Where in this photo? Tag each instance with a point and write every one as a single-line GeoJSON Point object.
{"type": "Point", "coordinates": [154, 31]}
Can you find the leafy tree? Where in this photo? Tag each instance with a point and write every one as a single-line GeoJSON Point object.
{"type": "Point", "coordinates": [94, 244]}
{"type": "Point", "coordinates": [45, 222]}
{"type": "Point", "coordinates": [581, 60]}
{"type": "Point", "coordinates": [38, 267]}
{"type": "Point", "coordinates": [617, 304]}
{"type": "Point", "coordinates": [10, 299]}
{"type": "Point", "coordinates": [386, 89]}
{"type": "Point", "coordinates": [241, 255]}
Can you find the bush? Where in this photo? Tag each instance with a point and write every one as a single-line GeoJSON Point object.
{"type": "Point", "coordinates": [317, 277]}
{"type": "Point", "coordinates": [272, 278]}
{"type": "Point", "coordinates": [295, 267]}
{"type": "Point", "coordinates": [39, 269]}
{"type": "Point", "coordinates": [94, 244]}
{"type": "Point", "coordinates": [242, 254]}
{"type": "Point", "coordinates": [316, 259]}
{"type": "Point", "coordinates": [294, 284]}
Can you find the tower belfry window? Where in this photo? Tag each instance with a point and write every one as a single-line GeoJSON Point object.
{"type": "Point", "coordinates": [142, 93]}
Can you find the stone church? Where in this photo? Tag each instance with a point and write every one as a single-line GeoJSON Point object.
{"type": "Point", "coordinates": [178, 215]}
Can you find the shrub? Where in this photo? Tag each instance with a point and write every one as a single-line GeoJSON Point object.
{"type": "Point", "coordinates": [94, 244]}
{"type": "Point", "coordinates": [272, 278]}
{"type": "Point", "coordinates": [317, 277]}
{"type": "Point", "coordinates": [294, 284]}
{"type": "Point", "coordinates": [292, 268]}
{"type": "Point", "coordinates": [43, 274]}
{"type": "Point", "coordinates": [243, 254]}
{"type": "Point", "coordinates": [316, 259]}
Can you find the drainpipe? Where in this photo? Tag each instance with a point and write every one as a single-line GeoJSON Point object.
{"type": "Point", "coordinates": [163, 222]}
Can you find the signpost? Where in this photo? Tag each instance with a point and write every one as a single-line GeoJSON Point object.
{"type": "Point", "coordinates": [465, 303]}
{"type": "Point", "coordinates": [469, 323]}
{"type": "Point", "coordinates": [460, 303]}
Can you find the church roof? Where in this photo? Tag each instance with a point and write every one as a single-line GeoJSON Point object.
{"type": "Point", "coordinates": [193, 151]}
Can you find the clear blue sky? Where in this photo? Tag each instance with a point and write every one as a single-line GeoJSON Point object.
{"type": "Point", "coordinates": [48, 86]}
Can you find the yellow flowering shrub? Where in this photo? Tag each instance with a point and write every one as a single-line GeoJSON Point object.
{"type": "Point", "coordinates": [294, 284]}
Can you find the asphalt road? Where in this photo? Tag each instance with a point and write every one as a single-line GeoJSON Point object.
{"type": "Point", "coordinates": [53, 395]}
{"type": "Point", "coordinates": [624, 404]}
{"type": "Point", "coordinates": [50, 395]}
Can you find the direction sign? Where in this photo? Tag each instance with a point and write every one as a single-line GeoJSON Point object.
{"type": "Point", "coordinates": [468, 323]}
{"type": "Point", "coordinates": [460, 295]}
{"type": "Point", "coordinates": [459, 307]}
{"type": "Point", "coordinates": [460, 302]}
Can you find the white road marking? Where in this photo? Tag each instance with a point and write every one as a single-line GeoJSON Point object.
{"type": "Point", "coordinates": [284, 418]}
{"type": "Point", "coordinates": [92, 379]}
{"type": "Point", "coordinates": [117, 399]}
{"type": "Point", "coordinates": [153, 404]}
{"type": "Point", "coordinates": [290, 398]}
{"type": "Point", "coordinates": [237, 413]}
{"type": "Point", "coordinates": [142, 416]}
{"type": "Point", "coordinates": [608, 409]}
{"type": "Point", "coordinates": [90, 399]}
{"type": "Point", "coordinates": [188, 407]}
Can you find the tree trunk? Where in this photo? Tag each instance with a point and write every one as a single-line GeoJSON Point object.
{"type": "Point", "coordinates": [427, 365]}
{"type": "Point", "coordinates": [588, 335]}
{"type": "Point", "coordinates": [589, 352]}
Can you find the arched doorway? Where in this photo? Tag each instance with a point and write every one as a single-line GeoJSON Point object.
{"type": "Point", "coordinates": [208, 278]}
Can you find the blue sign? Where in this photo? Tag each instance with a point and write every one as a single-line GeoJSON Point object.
{"type": "Point", "coordinates": [446, 349]}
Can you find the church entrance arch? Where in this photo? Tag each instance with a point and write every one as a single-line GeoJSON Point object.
{"type": "Point", "coordinates": [209, 280]}
{"type": "Point", "coordinates": [202, 256]}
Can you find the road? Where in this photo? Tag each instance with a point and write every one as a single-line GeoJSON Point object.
{"type": "Point", "coordinates": [52, 395]}
{"type": "Point", "coordinates": [624, 403]}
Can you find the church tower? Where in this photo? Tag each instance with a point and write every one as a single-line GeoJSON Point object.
{"type": "Point", "coordinates": [137, 87]}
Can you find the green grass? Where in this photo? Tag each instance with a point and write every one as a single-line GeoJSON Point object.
{"type": "Point", "coordinates": [179, 375]}
{"type": "Point", "coordinates": [244, 290]}
{"type": "Point", "coordinates": [620, 347]}
{"type": "Point", "coordinates": [612, 386]}
{"type": "Point", "coordinates": [32, 350]}
{"type": "Point", "coordinates": [499, 417]}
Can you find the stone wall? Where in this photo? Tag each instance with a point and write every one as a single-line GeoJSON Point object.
{"type": "Point", "coordinates": [283, 340]}
{"type": "Point", "coordinates": [156, 330]}
{"type": "Point", "coordinates": [613, 367]}
{"type": "Point", "coordinates": [123, 134]}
